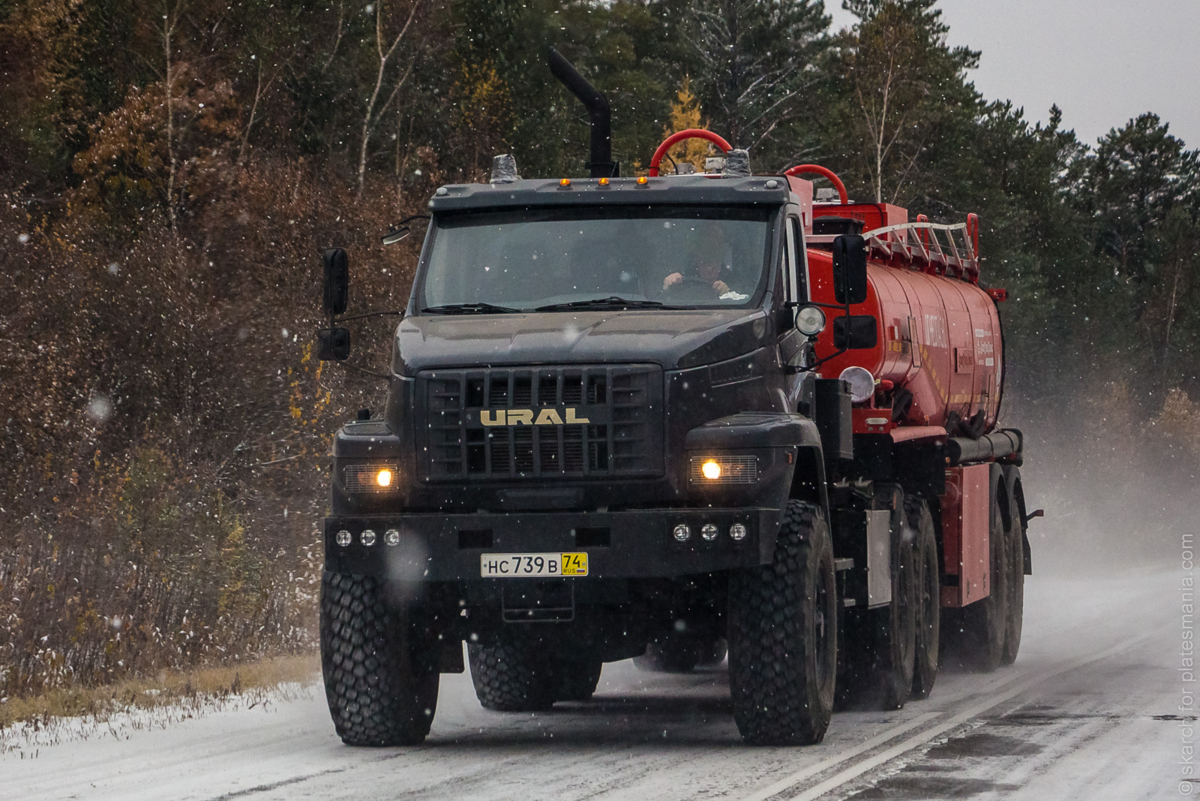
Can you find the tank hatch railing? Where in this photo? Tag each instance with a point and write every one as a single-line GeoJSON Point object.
{"type": "Point", "coordinates": [931, 247]}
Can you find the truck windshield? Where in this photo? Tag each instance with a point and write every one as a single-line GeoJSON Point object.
{"type": "Point", "coordinates": [567, 259]}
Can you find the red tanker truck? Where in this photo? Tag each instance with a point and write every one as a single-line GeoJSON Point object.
{"type": "Point", "coordinates": [670, 418]}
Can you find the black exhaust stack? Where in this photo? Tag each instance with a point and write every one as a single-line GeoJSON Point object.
{"type": "Point", "coordinates": [601, 164]}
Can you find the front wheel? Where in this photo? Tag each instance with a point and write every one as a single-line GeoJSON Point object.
{"type": "Point", "coordinates": [783, 636]}
{"type": "Point", "coordinates": [381, 684]}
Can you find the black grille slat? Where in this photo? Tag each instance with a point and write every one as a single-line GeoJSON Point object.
{"type": "Point", "coordinates": [622, 438]}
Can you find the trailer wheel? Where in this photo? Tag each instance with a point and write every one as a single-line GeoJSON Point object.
{"type": "Point", "coordinates": [1016, 581]}
{"type": "Point", "coordinates": [574, 680]}
{"type": "Point", "coordinates": [929, 597]}
{"type": "Point", "coordinates": [783, 636]}
{"type": "Point", "coordinates": [984, 622]}
{"type": "Point", "coordinates": [379, 682]}
{"type": "Point", "coordinates": [511, 675]}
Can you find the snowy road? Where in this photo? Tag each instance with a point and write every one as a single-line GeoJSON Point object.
{"type": "Point", "coordinates": [1090, 711]}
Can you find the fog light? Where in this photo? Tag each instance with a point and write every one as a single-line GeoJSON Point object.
{"type": "Point", "coordinates": [737, 532]}
{"type": "Point", "coordinates": [392, 537]}
{"type": "Point", "coordinates": [711, 470]}
{"type": "Point", "coordinates": [683, 533]}
{"type": "Point", "coordinates": [384, 478]}
{"type": "Point", "coordinates": [368, 537]}
{"type": "Point", "coordinates": [343, 538]}
{"type": "Point", "coordinates": [709, 532]}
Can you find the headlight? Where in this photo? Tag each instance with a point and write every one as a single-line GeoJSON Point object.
{"type": "Point", "coordinates": [372, 478]}
{"type": "Point", "coordinates": [862, 383]}
{"type": "Point", "coordinates": [723, 470]}
{"type": "Point", "coordinates": [810, 320]}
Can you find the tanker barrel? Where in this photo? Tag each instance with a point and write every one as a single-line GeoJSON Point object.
{"type": "Point", "coordinates": [601, 164]}
{"type": "Point", "coordinates": [995, 445]}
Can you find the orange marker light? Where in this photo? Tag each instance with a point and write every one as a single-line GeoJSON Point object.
{"type": "Point", "coordinates": [711, 470]}
{"type": "Point", "coordinates": [643, 180]}
{"type": "Point", "coordinates": [384, 478]}
{"type": "Point", "coordinates": [604, 182]}
{"type": "Point", "coordinates": [565, 182]}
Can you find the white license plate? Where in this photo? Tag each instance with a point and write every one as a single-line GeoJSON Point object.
{"type": "Point", "coordinates": [532, 565]}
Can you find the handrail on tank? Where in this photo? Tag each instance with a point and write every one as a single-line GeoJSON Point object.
{"type": "Point", "coordinates": [801, 169]}
{"type": "Point", "coordinates": [924, 245]}
{"type": "Point", "coordinates": [679, 136]}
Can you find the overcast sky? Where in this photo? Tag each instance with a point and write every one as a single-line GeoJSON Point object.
{"type": "Point", "coordinates": [1102, 61]}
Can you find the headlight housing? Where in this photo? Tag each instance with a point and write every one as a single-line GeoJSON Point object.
{"type": "Point", "coordinates": [723, 470]}
{"type": "Point", "coordinates": [374, 478]}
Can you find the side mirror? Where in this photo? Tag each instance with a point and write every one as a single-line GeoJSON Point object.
{"type": "Point", "coordinates": [337, 282]}
{"type": "Point", "coordinates": [850, 269]}
{"type": "Point", "coordinates": [333, 344]}
{"type": "Point", "coordinates": [855, 332]}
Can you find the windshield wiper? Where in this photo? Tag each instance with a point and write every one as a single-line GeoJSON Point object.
{"type": "Point", "coordinates": [470, 308]}
{"type": "Point", "coordinates": [611, 302]}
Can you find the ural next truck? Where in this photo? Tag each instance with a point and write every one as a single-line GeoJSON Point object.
{"type": "Point", "coordinates": [667, 417]}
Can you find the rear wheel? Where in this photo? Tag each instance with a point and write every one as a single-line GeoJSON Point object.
{"type": "Point", "coordinates": [672, 654]}
{"type": "Point", "coordinates": [681, 653]}
{"type": "Point", "coordinates": [929, 597]}
{"type": "Point", "coordinates": [783, 636]}
{"type": "Point", "coordinates": [985, 622]}
{"type": "Point", "coordinates": [882, 642]}
{"type": "Point", "coordinates": [1016, 581]}
{"type": "Point", "coordinates": [511, 675]}
{"type": "Point", "coordinates": [380, 682]}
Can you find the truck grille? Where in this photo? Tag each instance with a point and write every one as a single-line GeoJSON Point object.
{"type": "Point", "coordinates": [540, 422]}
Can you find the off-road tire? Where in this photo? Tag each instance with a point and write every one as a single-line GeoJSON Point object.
{"type": "Point", "coordinates": [929, 597]}
{"type": "Point", "coordinates": [1016, 582]}
{"type": "Point", "coordinates": [511, 675]}
{"type": "Point", "coordinates": [381, 685]}
{"type": "Point", "coordinates": [783, 636]}
{"type": "Point", "coordinates": [881, 643]}
{"type": "Point", "coordinates": [981, 640]}
{"type": "Point", "coordinates": [574, 680]}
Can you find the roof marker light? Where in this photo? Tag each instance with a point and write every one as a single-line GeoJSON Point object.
{"type": "Point", "coordinates": [643, 180]}
{"type": "Point", "coordinates": [604, 182]}
{"type": "Point", "coordinates": [565, 182]}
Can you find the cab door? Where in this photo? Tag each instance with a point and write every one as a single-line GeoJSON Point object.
{"type": "Point", "coordinates": [795, 292]}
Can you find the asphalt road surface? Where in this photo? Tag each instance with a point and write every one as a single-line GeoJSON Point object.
{"type": "Point", "coordinates": [1096, 707]}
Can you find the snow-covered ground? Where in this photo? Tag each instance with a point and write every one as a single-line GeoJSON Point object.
{"type": "Point", "coordinates": [1090, 711]}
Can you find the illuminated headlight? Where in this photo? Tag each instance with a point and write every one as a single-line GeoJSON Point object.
{"type": "Point", "coordinates": [343, 538]}
{"type": "Point", "coordinates": [371, 478]}
{"type": "Point", "coordinates": [714, 470]}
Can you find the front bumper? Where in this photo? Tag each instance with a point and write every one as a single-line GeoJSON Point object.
{"type": "Point", "coordinates": [625, 544]}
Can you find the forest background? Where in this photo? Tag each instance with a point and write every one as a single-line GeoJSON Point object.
{"type": "Point", "coordinates": [171, 169]}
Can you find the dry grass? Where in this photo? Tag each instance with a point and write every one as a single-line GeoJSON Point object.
{"type": "Point", "coordinates": [193, 691]}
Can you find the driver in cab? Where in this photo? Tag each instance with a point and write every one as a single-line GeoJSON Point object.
{"type": "Point", "coordinates": [711, 266]}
